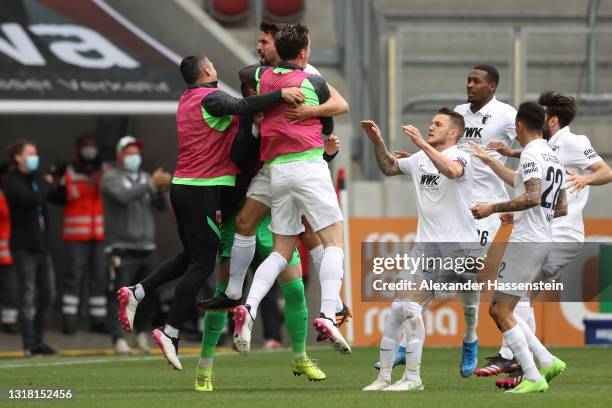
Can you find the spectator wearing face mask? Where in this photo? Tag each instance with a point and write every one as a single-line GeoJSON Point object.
{"type": "Point", "coordinates": [27, 192]}
{"type": "Point", "coordinates": [83, 233]}
{"type": "Point", "coordinates": [130, 195]}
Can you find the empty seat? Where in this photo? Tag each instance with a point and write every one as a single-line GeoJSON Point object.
{"type": "Point", "coordinates": [229, 11]}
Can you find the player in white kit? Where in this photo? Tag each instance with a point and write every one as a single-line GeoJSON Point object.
{"type": "Point", "coordinates": [487, 120]}
{"type": "Point", "coordinates": [539, 198]}
{"type": "Point", "coordinates": [584, 168]}
{"type": "Point", "coordinates": [442, 176]}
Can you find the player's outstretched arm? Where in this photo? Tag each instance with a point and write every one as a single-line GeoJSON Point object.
{"type": "Point", "coordinates": [504, 150]}
{"type": "Point", "coordinates": [449, 168]}
{"type": "Point", "coordinates": [601, 174]}
{"type": "Point", "coordinates": [221, 103]}
{"type": "Point", "coordinates": [386, 162]}
{"type": "Point", "coordinates": [503, 172]}
{"type": "Point", "coordinates": [561, 205]}
{"type": "Point", "coordinates": [530, 198]}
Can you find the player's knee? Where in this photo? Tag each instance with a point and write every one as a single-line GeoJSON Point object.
{"type": "Point", "coordinates": [244, 225]}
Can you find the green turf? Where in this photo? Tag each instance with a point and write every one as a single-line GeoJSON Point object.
{"type": "Point", "coordinates": [264, 380]}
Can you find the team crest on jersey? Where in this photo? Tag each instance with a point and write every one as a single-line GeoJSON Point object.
{"type": "Point", "coordinates": [486, 119]}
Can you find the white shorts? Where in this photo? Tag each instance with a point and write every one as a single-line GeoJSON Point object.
{"type": "Point", "coordinates": [259, 189]}
{"type": "Point", "coordinates": [487, 230]}
{"type": "Point", "coordinates": [522, 263]}
{"type": "Point", "coordinates": [445, 264]}
{"type": "Point", "coordinates": [302, 187]}
{"type": "Point", "coordinates": [562, 254]}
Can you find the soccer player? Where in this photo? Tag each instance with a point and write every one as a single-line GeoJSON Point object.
{"type": "Point", "coordinates": [487, 120]}
{"type": "Point", "coordinates": [539, 198]}
{"type": "Point", "coordinates": [584, 168]}
{"type": "Point", "coordinates": [442, 177]}
{"type": "Point", "coordinates": [300, 183]}
{"type": "Point", "coordinates": [257, 205]}
{"type": "Point", "coordinates": [206, 126]}
{"type": "Point", "coordinates": [290, 281]}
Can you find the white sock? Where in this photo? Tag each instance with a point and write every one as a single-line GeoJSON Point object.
{"type": "Point", "coordinates": [515, 338]}
{"type": "Point", "coordinates": [298, 355]}
{"type": "Point", "coordinates": [139, 292]}
{"type": "Point", "coordinates": [171, 331]}
{"type": "Point", "coordinates": [331, 280]}
{"type": "Point", "coordinates": [535, 346]}
{"type": "Point", "coordinates": [205, 362]}
{"type": "Point", "coordinates": [403, 338]}
{"type": "Point", "coordinates": [243, 251]}
{"type": "Point", "coordinates": [505, 351]}
{"type": "Point", "coordinates": [523, 310]}
{"type": "Point", "coordinates": [470, 301]}
{"type": "Point", "coordinates": [316, 254]}
{"type": "Point", "coordinates": [391, 335]}
{"type": "Point", "coordinates": [415, 338]}
{"type": "Point", "coordinates": [264, 278]}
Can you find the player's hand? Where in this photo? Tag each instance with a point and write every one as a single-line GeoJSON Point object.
{"type": "Point", "coordinates": [293, 96]}
{"type": "Point", "coordinates": [298, 113]}
{"type": "Point", "coordinates": [332, 145]}
{"type": "Point", "coordinates": [480, 153]}
{"type": "Point", "coordinates": [500, 148]}
{"type": "Point", "coordinates": [371, 129]}
{"type": "Point", "coordinates": [576, 182]}
{"type": "Point", "coordinates": [480, 211]}
{"type": "Point", "coordinates": [414, 134]}
{"type": "Point", "coordinates": [400, 154]}
{"type": "Point", "coordinates": [506, 219]}
{"type": "Point", "coordinates": [48, 178]}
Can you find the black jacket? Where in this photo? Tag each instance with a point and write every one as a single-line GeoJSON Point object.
{"type": "Point", "coordinates": [28, 208]}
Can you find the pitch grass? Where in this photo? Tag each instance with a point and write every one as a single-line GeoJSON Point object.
{"type": "Point", "coordinates": [264, 379]}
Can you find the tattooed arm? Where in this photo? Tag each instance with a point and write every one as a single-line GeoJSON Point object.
{"type": "Point", "coordinates": [530, 198]}
{"type": "Point", "coordinates": [387, 163]}
{"type": "Point", "coordinates": [561, 207]}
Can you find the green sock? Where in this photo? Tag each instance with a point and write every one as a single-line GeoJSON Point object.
{"type": "Point", "coordinates": [214, 322]}
{"type": "Point", "coordinates": [296, 314]}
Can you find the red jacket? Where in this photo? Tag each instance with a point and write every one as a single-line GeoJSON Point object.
{"type": "Point", "coordinates": [5, 232]}
{"type": "Point", "coordinates": [83, 212]}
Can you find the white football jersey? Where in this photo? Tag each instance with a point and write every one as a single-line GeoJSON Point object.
{"type": "Point", "coordinates": [538, 161]}
{"type": "Point", "coordinates": [443, 203]}
{"type": "Point", "coordinates": [494, 122]}
{"type": "Point", "coordinates": [312, 70]}
{"type": "Point", "coordinates": [576, 154]}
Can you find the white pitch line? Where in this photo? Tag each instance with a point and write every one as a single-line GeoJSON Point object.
{"type": "Point", "coordinates": [114, 359]}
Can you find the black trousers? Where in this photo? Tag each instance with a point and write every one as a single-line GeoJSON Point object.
{"type": "Point", "coordinates": [36, 293]}
{"type": "Point", "coordinates": [198, 211]}
{"type": "Point", "coordinates": [87, 262]}
{"type": "Point", "coordinates": [127, 268]}
{"type": "Point", "coordinates": [9, 294]}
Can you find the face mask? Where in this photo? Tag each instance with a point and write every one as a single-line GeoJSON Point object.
{"type": "Point", "coordinates": [32, 163]}
{"type": "Point", "coordinates": [131, 162]}
{"type": "Point", "coordinates": [89, 152]}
